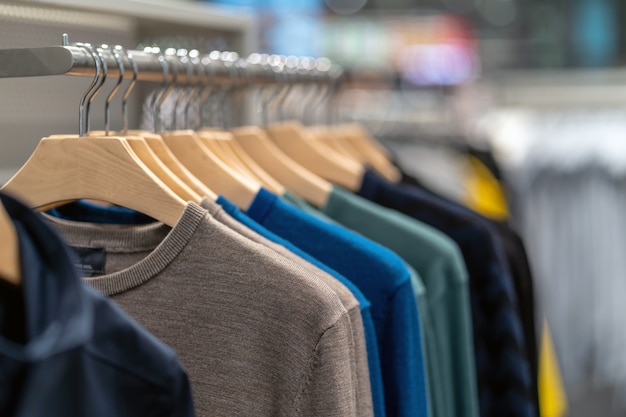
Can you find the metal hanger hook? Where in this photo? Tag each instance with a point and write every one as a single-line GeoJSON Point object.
{"type": "Point", "coordinates": [84, 99]}
{"type": "Point", "coordinates": [275, 65]}
{"type": "Point", "coordinates": [209, 90]}
{"type": "Point", "coordinates": [168, 86]}
{"type": "Point", "coordinates": [285, 77]}
{"type": "Point", "coordinates": [129, 89]}
{"type": "Point", "coordinates": [107, 105]}
{"type": "Point", "coordinates": [98, 87]}
{"type": "Point", "coordinates": [194, 89]}
{"type": "Point", "coordinates": [157, 94]}
{"type": "Point", "coordinates": [183, 58]}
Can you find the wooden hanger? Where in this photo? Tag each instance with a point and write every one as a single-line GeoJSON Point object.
{"type": "Point", "coordinates": [152, 161]}
{"type": "Point", "coordinates": [67, 167]}
{"type": "Point", "coordinates": [223, 141]}
{"type": "Point", "coordinates": [295, 142]}
{"type": "Point", "coordinates": [155, 153]}
{"type": "Point", "coordinates": [375, 154]}
{"type": "Point", "coordinates": [340, 139]}
{"type": "Point", "coordinates": [157, 144]}
{"type": "Point", "coordinates": [270, 182]}
{"type": "Point", "coordinates": [214, 142]}
{"type": "Point", "coordinates": [293, 176]}
{"type": "Point", "coordinates": [158, 168]}
{"type": "Point", "coordinates": [10, 269]}
{"type": "Point", "coordinates": [323, 135]}
{"type": "Point", "coordinates": [211, 170]}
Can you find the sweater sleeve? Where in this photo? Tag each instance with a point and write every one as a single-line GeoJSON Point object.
{"type": "Point", "coordinates": [328, 388]}
{"type": "Point", "coordinates": [365, 406]}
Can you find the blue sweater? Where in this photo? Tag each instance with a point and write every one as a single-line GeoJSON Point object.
{"type": "Point", "coordinates": [373, 357]}
{"type": "Point", "coordinates": [381, 276]}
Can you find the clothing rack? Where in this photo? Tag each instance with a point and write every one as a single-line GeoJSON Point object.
{"type": "Point", "coordinates": [220, 67]}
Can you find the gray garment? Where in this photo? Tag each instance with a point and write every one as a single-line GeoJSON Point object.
{"type": "Point", "coordinates": [441, 168]}
{"type": "Point", "coordinates": [257, 334]}
{"type": "Point", "coordinates": [575, 230]}
{"type": "Point", "coordinates": [571, 202]}
{"type": "Point", "coordinates": [362, 377]}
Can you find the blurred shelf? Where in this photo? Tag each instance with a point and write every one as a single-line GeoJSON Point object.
{"type": "Point", "coordinates": [162, 18]}
{"type": "Point", "coordinates": [161, 11]}
{"type": "Point", "coordinates": [560, 88]}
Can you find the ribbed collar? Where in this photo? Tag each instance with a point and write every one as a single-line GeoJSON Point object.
{"type": "Point", "coordinates": [165, 244]}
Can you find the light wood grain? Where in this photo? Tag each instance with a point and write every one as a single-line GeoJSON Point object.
{"type": "Point", "coordinates": [210, 169]}
{"type": "Point", "coordinates": [157, 144]}
{"type": "Point", "coordinates": [10, 270]}
{"type": "Point", "coordinates": [67, 168]}
{"type": "Point", "coordinates": [377, 156]}
{"type": "Point", "coordinates": [293, 176]}
{"type": "Point", "coordinates": [295, 142]}
{"type": "Point", "coordinates": [154, 164]}
{"type": "Point", "coordinates": [224, 141]}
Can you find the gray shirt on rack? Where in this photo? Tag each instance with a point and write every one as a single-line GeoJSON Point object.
{"type": "Point", "coordinates": [258, 334]}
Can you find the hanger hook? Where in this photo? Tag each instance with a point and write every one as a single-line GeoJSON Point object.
{"type": "Point", "coordinates": [107, 105]}
{"type": "Point", "coordinates": [208, 90]}
{"type": "Point", "coordinates": [129, 89]}
{"type": "Point", "coordinates": [316, 93]}
{"type": "Point", "coordinates": [245, 81]}
{"type": "Point", "coordinates": [214, 92]}
{"type": "Point", "coordinates": [229, 60]}
{"type": "Point", "coordinates": [274, 65]}
{"type": "Point", "coordinates": [92, 86]}
{"type": "Point", "coordinates": [99, 58]}
{"type": "Point", "coordinates": [333, 108]}
{"type": "Point", "coordinates": [96, 90]}
{"type": "Point", "coordinates": [183, 58]}
{"type": "Point", "coordinates": [261, 102]}
{"type": "Point", "coordinates": [157, 94]}
{"type": "Point", "coordinates": [285, 77]}
{"type": "Point", "coordinates": [168, 86]}
{"type": "Point", "coordinates": [195, 88]}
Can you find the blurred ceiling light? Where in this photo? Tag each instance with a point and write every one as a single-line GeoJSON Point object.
{"type": "Point", "coordinates": [439, 64]}
{"type": "Point", "coordinates": [460, 6]}
{"type": "Point", "coordinates": [345, 6]}
{"type": "Point", "coordinates": [498, 12]}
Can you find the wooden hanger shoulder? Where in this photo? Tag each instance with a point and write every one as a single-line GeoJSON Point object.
{"type": "Point", "coordinates": [293, 176]}
{"type": "Point", "coordinates": [10, 269]}
{"type": "Point", "coordinates": [332, 143]}
{"type": "Point", "coordinates": [66, 168]}
{"type": "Point", "coordinates": [225, 141]}
{"type": "Point", "coordinates": [209, 169]}
{"type": "Point", "coordinates": [141, 148]}
{"type": "Point", "coordinates": [292, 139]}
{"type": "Point", "coordinates": [158, 146]}
{"type": "Point", "coordinates": [213, 142]}
{"type": "Point", "coordinates": [377, 156]}
{"type": "Point", "coordinates": [161, 170]}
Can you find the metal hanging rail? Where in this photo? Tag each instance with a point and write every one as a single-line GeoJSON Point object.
{"type": "Point", "coordinates": [222, 67]}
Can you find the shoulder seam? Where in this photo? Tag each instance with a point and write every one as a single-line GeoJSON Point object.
{"type": "Point", "coordinates": [312, 363]}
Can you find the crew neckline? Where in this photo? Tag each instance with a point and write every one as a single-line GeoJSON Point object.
{"type": "Point", "coordinates": [164, 242]}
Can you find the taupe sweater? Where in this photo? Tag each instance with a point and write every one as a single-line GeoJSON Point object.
{"type": "Point", "coordinates": [258, 335]}
{"type": "Point", "coordinates": [364, 391]}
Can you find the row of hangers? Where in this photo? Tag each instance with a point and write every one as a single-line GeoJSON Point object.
{"type": "Point", "coordinates": [157, 173]}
